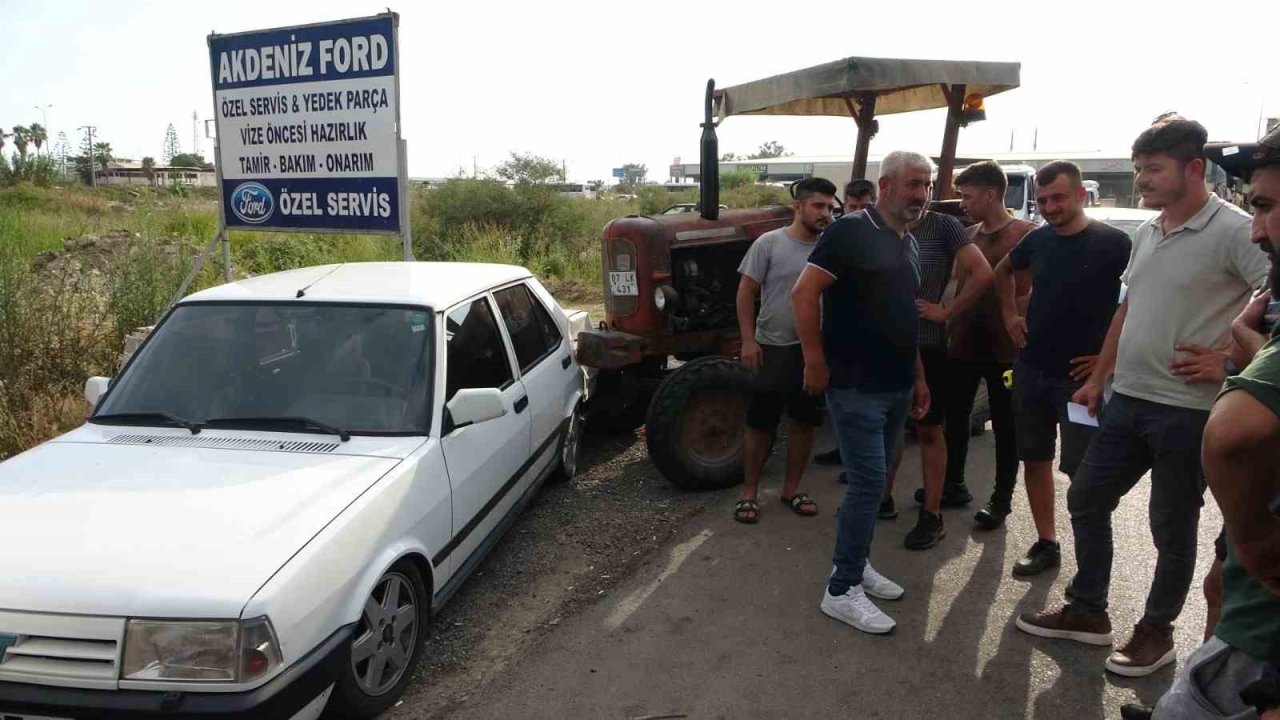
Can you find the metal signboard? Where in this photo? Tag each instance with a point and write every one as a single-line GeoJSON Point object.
{"type": "Point", "coordinates": [308, 127]}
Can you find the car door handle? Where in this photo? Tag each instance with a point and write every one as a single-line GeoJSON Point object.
{"type": "Point", "coordinates": [566, 361]}
{"type": "Point", "coordinates": [521, 404]}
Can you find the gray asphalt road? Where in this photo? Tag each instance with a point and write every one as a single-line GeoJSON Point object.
{"type": "Point", "coordinates": [724, 623]}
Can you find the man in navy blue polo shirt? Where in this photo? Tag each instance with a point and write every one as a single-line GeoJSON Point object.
{"type": "Point", "coordinates": [856, 317]}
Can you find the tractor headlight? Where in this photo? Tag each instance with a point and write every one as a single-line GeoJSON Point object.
{"type": "Point", "coordinates": [665, 298]}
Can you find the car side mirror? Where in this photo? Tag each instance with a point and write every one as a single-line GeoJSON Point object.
{"type": "Point", "coordinates": [476, 405]}
{"type": "Point", "coordinates": [95, 388]}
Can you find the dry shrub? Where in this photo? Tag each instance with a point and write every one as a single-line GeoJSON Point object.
{"type": "Point", "coordinates": [44, 417]}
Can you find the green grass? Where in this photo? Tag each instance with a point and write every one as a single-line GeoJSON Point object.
{"type": "Point", "coordinates": [57, 328]}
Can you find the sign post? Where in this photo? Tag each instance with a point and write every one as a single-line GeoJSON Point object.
{"type": "Point", "coordinates": [308, 130]}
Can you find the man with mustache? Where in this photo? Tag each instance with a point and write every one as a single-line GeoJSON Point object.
{"type": "Point", "coordinates": [855, 313]}
{"type": "Point", "coordinates": [1073, 266]}
{"type": "Point", "coordinates": [771, 351]}
{"type": "Point", "coordinates": [1238, 667]}
{"type": "Point", "coordinates": [1191, 270]}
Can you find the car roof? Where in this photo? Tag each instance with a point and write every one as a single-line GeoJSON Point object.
{"type": "Point", "coordinates": [1117, 213]}
{"type": "Point", "coordinates": [434, 284]}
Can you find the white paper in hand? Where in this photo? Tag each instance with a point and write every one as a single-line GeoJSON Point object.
{"type": "Point", "coordinates": [1079, 414]}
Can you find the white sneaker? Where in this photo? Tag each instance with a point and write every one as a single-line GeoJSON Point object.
{"type": "Point", "coordinates": [856, 609]}
{"type": "Point", "coordinates": [875, 584]}
{"type": "Point", "coordinates": [879, 586]}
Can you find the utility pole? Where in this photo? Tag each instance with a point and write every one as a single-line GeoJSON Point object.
{"type": "Point", "coordinates": [44, 118]}
{"type": "Point", "coordinates": [89, 130]}
{"type": "Point", "coordinates": [195, 133]}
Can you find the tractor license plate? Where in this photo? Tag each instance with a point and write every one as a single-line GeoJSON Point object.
{"type": "Point", "coordinates": [623, 283]}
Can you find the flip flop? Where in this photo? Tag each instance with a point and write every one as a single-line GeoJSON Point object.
{"type": "Point", "coordinates": [801, 504]}
{"type": "Point", "coordinates": [747, 506]}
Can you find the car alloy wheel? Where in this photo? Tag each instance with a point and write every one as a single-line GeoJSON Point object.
{"type": "Point", "coordinates": [387, 636]}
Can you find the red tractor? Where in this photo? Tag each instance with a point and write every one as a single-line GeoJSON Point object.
{"type": "Point", "coordinates": [665, 355]}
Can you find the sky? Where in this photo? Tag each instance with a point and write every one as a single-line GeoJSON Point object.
{"type": "Point", "coordinates": [601, 83]}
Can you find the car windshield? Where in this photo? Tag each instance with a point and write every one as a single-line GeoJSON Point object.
{"type": "Point", "coordinates": [1015, 196]}
{"type": "Point", "coordinates": [362, 369]}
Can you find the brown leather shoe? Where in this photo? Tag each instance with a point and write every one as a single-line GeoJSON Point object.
{"type": "Point", "coordinates": [1146, 652]}
{"type": "Point", "coordinates": [1068, 623]}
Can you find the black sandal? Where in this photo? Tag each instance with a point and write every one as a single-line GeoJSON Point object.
{"type": "Point", "coordinates": [747, 506]}
{"type": "Point", "coordinates": [798, 501]}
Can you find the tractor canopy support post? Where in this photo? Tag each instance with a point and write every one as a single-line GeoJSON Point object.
{"type": "Point", "coordinates": [950, 137]}
{"type": "Point", "coordinates": [866, 119]}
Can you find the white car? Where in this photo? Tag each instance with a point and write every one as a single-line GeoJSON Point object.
{"type": "Point", "coordinates": [285, 481]}
{"type": "Point", "coordinates": [1126, 219]}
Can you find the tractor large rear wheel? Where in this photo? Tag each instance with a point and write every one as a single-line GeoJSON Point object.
{"type": "Point", "coordinates": [695, 424]}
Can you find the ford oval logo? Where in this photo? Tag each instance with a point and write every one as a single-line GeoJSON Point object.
{"type": "Point", "coordinates": [252, 203]}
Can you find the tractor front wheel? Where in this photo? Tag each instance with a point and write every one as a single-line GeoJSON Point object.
{"type": "Point", "coordinates": [694, 428]}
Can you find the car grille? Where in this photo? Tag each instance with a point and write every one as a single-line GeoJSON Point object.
{"type": "Point", "coordinates": [223, 443]}
{"type": "Point", "coordinates": [70, 651]}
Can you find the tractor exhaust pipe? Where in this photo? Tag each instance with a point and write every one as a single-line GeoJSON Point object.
{"type": "Point", "coordinates": [709, 162]}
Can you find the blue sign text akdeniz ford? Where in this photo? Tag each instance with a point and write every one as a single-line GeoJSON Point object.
{"type": "Point", "coordinates": [308, 134]}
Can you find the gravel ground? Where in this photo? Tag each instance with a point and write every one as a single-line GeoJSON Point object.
{"type": "Point", "coordinates": [570, 548]}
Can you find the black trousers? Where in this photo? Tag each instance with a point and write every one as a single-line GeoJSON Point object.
{"type": "Point", "coordinates": [964, 383]}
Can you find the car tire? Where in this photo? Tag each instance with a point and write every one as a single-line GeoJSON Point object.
{"type": "Point", "coordinates": [362, 690]}
{"type": "Point", "coordinates": [570, 448]}
{"type": "Point", "coordinates": [694, 429]}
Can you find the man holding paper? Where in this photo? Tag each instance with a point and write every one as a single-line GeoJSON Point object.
{"type": "Point", "coordinates": [1191, 270]}
{"type": "Point", "coordinates": [1074, 266]}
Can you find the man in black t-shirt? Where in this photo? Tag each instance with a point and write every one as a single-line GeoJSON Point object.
{"type": "Point", "coordinates": [856, 317]}
{"type": "Point", "coordinates": [1074, 265]}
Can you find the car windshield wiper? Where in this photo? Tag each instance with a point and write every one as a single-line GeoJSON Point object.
{"type": "Point", "coordinates": [143, 417]}
{"type": "Point", "coordinates": [267, 420]}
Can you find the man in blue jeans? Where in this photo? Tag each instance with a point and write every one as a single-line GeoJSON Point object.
{"type": "Point", "coordinates": [864, 275]}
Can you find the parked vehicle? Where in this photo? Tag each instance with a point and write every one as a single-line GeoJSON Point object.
{"type": "Point", "coordinates": [1126, 219]}
{"type": "Point", "coordinates": [671, 280]}
{"type": "Point", "coordinates": [285, 482]}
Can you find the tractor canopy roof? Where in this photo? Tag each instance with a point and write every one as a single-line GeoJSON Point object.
{"type": "Point", "coordinates": [842, 87]}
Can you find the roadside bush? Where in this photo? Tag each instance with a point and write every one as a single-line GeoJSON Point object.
{"type": "Point", "coordinates": [53, 335]}
{"type": "Point", "coordinates": [749, 196]}
{"type": "Point", "coordinates": [735, 179]}
{"type": "Point", "coordinates": [142, 281]}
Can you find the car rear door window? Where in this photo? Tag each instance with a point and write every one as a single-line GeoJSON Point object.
{"type": "Point", "coordinates": [476, 356]}
{"type": "Point", "coordinates": [532, 330]}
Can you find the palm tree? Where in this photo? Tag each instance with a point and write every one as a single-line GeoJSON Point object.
{"type": "Point", "coordinates": [102, 155]}
{"type": "Point", "coordinates": [20, 138]}
{"type": "Point", "coordinates": [38, 135]}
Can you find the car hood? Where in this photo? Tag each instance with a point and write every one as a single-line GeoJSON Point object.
{"type": "Point", "coordinates": [142, 531]}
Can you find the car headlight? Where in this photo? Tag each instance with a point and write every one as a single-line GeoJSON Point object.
{"type": "Point", "coordinates": [205, 651]}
